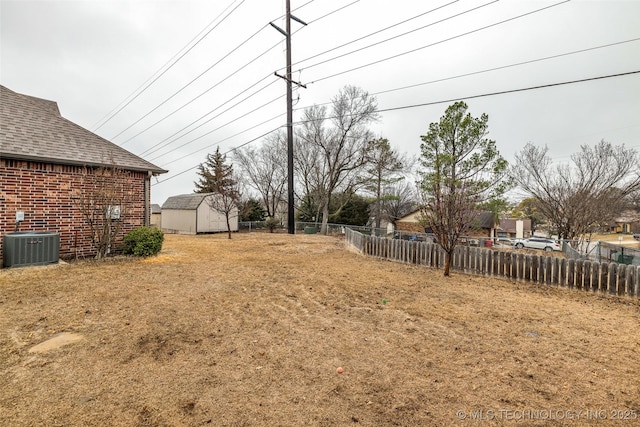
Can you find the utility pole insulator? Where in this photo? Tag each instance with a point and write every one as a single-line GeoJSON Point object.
{"type": "Point", "coordinates": [289, 80]}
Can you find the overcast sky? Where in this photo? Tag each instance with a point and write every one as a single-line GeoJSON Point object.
{"type": "Point", "coordinates": [416, 56]}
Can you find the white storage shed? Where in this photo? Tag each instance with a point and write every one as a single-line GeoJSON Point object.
{"type": "Point", "coordinates": [191, 214]}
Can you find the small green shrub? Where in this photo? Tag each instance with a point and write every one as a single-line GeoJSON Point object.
{"type": "Point", "coordinates": [143, 241]}
{"type": "Point", "coordinates": [272, 223]}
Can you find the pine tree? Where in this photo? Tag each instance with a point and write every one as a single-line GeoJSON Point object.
{"type": "Point", "coordinates": [462, 168]}
{"type": "Point", "coordinates": [216, 177]}
{"type": "Point", "coordinates": [215, 174]}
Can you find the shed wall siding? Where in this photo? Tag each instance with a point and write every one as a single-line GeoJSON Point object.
{"type": "Point", "coordinates": [179, 221]}
{"type": "Point", "coordinates": [43, 191]}
{"type": "Point", "coordinates": [209, 220]}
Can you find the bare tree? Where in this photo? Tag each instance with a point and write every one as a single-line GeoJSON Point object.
{"type": "Point", "coordinates": [398, 200]}
{"type": "Point", "coordinates": [265, 170]}
{"type": "Point", "coordinates": [384, 165]}
{"type": "Point", "coordinates": [104, 202]}
{"type": "Point", "coordinates": [226, 202]}
{"type": "Point", "coordinates": [336, 143]}
{"type": "Point", "coordinates": [582, 196]}
{"type": "Point", "coordinates": [462, 168]}
{"type": "Point", "coordinates": [216, 177]}
{"type": "Point", "coordinates": [310, 176]}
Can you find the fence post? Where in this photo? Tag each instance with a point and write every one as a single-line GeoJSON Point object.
{"type": "Point", "coordinates": [595, 276]}
{"type": "Point", "coordinates": [587, 275]}
{"type": "Point", "coordinates": [604, 277]}
{"type": "Point", "coordinates": [414, 246]}
{"type": "Point", "coordinates": [622, 276]}
{"type": "Point", "coordinates": [509, 265]}
{"type": "Point", "coordinates": [535, 259]}
{"type": "Point", "coordinates": [579, 265]}
{"type": "Point", "coordinates": [489, 263]}
{"type": "Point", "coordinates": [463, 258]}
{"type": "Point", "coordinates": [613, 285]}
{"type": "Point", "coordinates": [555, 279]}
{"type": "Point", "coordinates": [520, 266]}
{"type": "Point", "coordinates": [631, 279]}
{"type": "Point", "coordinates": [571, 273]}
{"type": "Point", "coordinates": [548, 269]}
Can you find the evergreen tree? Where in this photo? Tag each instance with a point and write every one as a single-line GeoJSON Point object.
{"type": "Point", "coordinates": [215, 174]}
{"type": "Point", "coordinates": [216, 177]}
{"type": "Point", "coordinates": [462, 168]}
{"type": "Point", "coordinates": [251, 210]}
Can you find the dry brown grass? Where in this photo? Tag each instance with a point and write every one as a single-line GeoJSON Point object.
{"type": "Point", "coordinates": [250, 331]}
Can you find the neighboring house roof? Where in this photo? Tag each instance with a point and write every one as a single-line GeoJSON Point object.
{"type": "Point", "coordinates": [628, 217]}
{"type": "Point", "coordinates": [155, 208]}
{"type": "Point", "coordinates": [410, 217]}
{"type": "Point", "coordinates": [32, 129]}
{"type": "Point", "coordinates": [185, 201]}
{"type": "Point", "coordinates": [483, 220]}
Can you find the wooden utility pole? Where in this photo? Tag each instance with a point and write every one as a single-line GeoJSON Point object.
{"type": "Point", "coordinates": [290, 193]}
{"type": "Point", "coordinates": [290, 210]}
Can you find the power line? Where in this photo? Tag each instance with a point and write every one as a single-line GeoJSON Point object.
{"type": "Point", "coordinates": [510, 91]}
{"type": "Point", "coordinates": [218, 128]}
{"type": "Point", "coordinates": [227, 152]}
{"type": "Point", "coordinates": [502, 67]}
{"type": "Point", "coordinates": [185, 86]}
{"type": "Point", "coordinates": [191, 41]}
{"type": "Point", "coordinates": [509, 66]}
{"type": "Point", "coordinates": [332, 12]}
{"type": "Point", "coordinates": [512, 65]}
{"type": "Point", "coordinates": [387, 28]}
{"type": "Point", "coordinates": [431, 44]}
{"type": "Point", "coordinates": [160, 144]}
{"type": "Point", "coordinates": [212, 87]}
{"type": "Point", "coordinates": [550, 85]}
{"type": "Point", "coordinates": [425, 83]}
{"type": "Point", "coordinates": [112, 114]}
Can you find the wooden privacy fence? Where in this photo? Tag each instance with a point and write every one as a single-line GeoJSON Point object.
{"type": "Point", "coordinates": [612, 278]}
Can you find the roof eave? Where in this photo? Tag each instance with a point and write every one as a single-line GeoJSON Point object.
{"type": "Point", "coordinates": [12, 156]}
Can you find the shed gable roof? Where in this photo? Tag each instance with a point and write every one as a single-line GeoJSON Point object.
{"type": "Point", "coordinates": [185, 201]}
{"type": "Point", "coordinates": [33, 129]}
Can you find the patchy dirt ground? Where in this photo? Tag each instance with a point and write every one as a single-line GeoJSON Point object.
{"type": "Point", "coordinates": [250, 332]}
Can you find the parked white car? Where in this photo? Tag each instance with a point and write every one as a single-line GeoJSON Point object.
{"type": "Point", "coordinates": [539, 243]}
{"type": "Point", "coordinates": [504, 241]}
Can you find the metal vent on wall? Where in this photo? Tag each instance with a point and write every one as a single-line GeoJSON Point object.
{"type": "Point", "coordinates": [24, 248]}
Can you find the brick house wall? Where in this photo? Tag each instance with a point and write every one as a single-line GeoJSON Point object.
{"type": "Point", "coordinates": [44, 192]}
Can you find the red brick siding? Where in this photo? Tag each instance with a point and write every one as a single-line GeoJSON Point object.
{"type": "Point", "coordinates": [43, 192]}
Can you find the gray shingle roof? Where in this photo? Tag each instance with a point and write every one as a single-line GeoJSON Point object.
{"type": "Point", "coordinates": [33, 129]}
{"type": "Point", "coordinates": [184, 201]}
{"type": "Point", "coordinates": [485, 220]}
